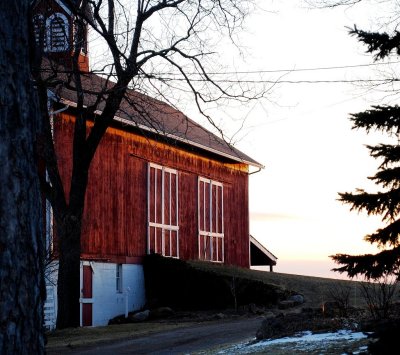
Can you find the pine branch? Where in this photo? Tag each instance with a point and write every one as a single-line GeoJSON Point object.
{"type": "Point", "coordinates": [369, 265]}
{"type": "Point", "coordinates": [382, 118]}
{"type": "Point", "coordinates": [386, 236]}
{"type": "Point", "coordinates": [389, 177]}
{"type": "Point", "coordinates": [382, 44]}
{"type": "Point", "coordinates": [381, 203]}
{"type": "Point", "coordinates": [390, 153]}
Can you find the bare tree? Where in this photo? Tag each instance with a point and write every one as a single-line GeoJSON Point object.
{"type": "Point", "coordinates": [332, 3]}
{"type": "Point", "coordinates": [21, 275]}
{"type": "Point", "coordinates": [156, 47]}
{"type": "Point", "coordinates": [380, 296]}
{"type": "Point", "coordinates": [340, 294]}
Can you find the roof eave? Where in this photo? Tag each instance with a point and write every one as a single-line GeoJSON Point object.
{"type": "Point", "coordinates": [172, 136]}
{"type": "Point", "coordinates": [263, 249]}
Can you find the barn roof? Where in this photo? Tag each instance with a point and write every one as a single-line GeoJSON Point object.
{"type": "Point", "coordinates": [155, 116]}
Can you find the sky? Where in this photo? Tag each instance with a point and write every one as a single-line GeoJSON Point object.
{"type": "Point", "coordinates": [303, 137]}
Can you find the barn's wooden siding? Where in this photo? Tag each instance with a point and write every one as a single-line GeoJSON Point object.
{"type": "Point", "coordinates": [115, 217]}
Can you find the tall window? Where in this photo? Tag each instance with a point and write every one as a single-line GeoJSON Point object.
{"type": "Point", "coordinates": [211, 220]}
{"type": "Point", "coordinates": [163, 229]}
{"type": "Point", "coordinates": [57, 33]}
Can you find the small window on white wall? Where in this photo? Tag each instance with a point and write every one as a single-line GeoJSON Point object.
{"type": "Point", "coordinates": [162, 211]}
{"type": "Point", "coordinates": [118, 278]}
{"type": "Point", "coordinates": [211, 220]}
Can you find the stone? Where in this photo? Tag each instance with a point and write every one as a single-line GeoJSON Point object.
{"type": "Point", "coordinates": [219, 316]}
{"type": "Point", "coordinates": [161, 312]}
{"type": "Point", "coordinates": [297, 299]}
{"type": "Point", "coordinates": [141, 316]}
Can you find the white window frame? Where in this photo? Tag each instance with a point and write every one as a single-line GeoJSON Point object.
{"type": "Point", "coordinates": [49, 32]}
{"type": "Point", "coordinates": [208, 233]}
{"type": "Point", "coordinates": [166, 227]}
{"type": "Point", "coordinates": [118, 278]}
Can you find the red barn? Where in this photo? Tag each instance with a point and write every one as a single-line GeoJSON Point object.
{"type": "Point", "coordinates": [159, 183]}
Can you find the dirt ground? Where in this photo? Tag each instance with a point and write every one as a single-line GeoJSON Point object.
{"type": "Point", "coordinates": [199, 332]}
{"type": "Point", "coordinates": [158, 337]}
{"type": "Point", "coordinates": [222, 336]}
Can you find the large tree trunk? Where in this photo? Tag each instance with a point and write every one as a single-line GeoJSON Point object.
{"type": "Point", "coordinates": [69, 231]}
{"type": "Point", "coordinates": [21, 239]}
{"type": "Point", "coordinates": [68, 290]}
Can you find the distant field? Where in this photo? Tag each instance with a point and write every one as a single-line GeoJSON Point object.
{"type": "Point", "coordinates": [315, 290]}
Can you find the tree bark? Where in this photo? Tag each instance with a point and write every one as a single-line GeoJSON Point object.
{"type": "Point", "coordinates": [21, 240]}
{"type": "Point", "coordinates": [69, 216]}
{"type": "Point", "coordinates": [68, 289]}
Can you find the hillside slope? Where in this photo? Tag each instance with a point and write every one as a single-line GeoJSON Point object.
{"type": "Point", "coordinates": [206, 285]}
{"type": "Point", "coordinates": [315, 290]}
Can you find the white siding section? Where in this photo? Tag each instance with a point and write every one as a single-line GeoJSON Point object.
{"type": "Point", "coordinates": [107, 301]}
{"type": "Point", "coordinates": [50, 307]}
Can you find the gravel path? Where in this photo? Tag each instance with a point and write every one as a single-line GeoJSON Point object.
{"type": "Point", "coordinates": [188, 340]}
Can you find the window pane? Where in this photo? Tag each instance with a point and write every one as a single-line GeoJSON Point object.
{"type": "Point", "coordinates": [167, 198]}
{"type": "Point", "coordinates": [158, 240]}
{"type": "Point", "coordinates": [158, 196]}
{"type": "Point", "coordinates": [151, 201]}
{"type": "Point", "coordinates": [213, 208]}
{"type": "Point", "coordinates": [207, 207]}
{"type": "Point", "coordinates": [162, 217]}
{"type": "Point", "coordinates": [152, 240]}
{"type": "Point", "coordinates": [219, 209]}
{"type": "Point", "coordinates": [201, 204]}
{"type": "Point", "coordinates": [214, 248]}
{"type": "Point", "coordinates": [174, 188]}
{"type": "Point", "coordinates": [174, 243]}
{"type": "Point", "coordinates": [211, 222]}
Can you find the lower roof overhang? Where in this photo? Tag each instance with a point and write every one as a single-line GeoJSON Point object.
{"type": "Point", "coordinates": [259, 255]}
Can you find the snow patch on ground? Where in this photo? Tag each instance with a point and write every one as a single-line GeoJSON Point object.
{"type": "Point", "coordinates": [301, 341]}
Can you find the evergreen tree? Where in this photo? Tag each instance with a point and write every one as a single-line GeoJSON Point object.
{"type": "Point", "coordinates": [386, 202]}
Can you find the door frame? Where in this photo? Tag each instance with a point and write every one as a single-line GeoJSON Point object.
{"type": "Point", "coordinates": [84, 301]}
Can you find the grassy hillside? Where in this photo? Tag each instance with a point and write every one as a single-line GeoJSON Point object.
{"type": "Point", "coordinates": [205, 285]}
{"type": "Point", "coordinates": [196, 286]}
{"type": "Point", "coordinates": [315, 290]}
